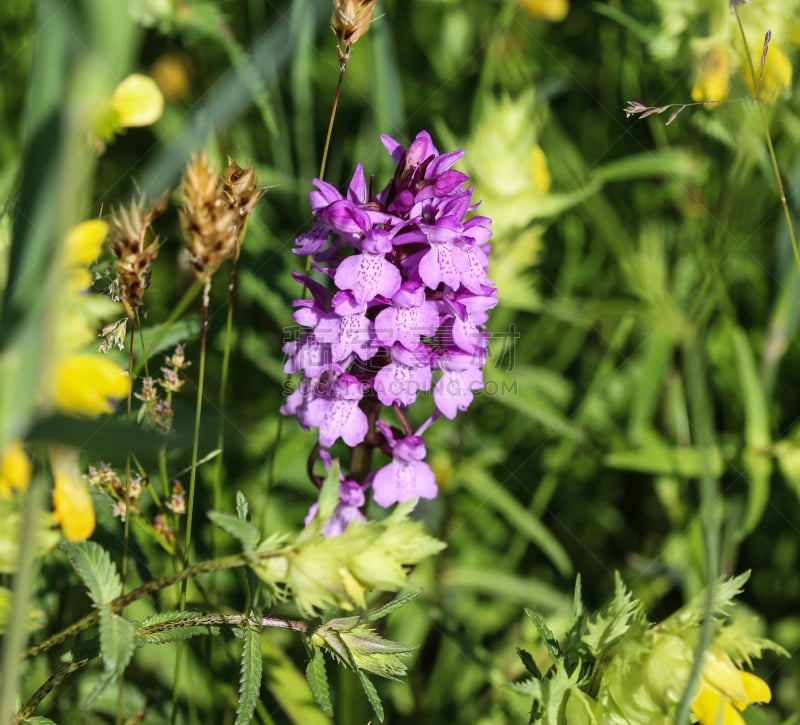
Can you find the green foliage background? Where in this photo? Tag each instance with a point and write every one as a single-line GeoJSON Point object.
{"type": "Point", "coordinates": [659, 289]}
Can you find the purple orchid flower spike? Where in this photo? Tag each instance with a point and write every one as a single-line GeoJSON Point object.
{"type": "Point", "coordinates": [400, 300]}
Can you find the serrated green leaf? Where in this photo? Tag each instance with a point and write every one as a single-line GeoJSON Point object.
{"type": "Point", "coordinates": [613, 623]}
{"type": "Point", "coordinates": [117, 643]}
{"type": "Point", "coordinates": [389, 607]}
{"type": "Point", "coordinates": [250, 676]}
{"type": "Point", "coordinates": [242, 506]}
{"type": "Point", "coordinates": [96, 570]}
{"type": "Point", "coordinates": [372, 695]}
{"type": "Point", "coordinates": [243, 531]}
{"type": "Point", "coordinates": [317, 677]}
{"type": "Point", "coordinates": [550, 641]}
{"type": "Point", "coordinates": [529, 663]}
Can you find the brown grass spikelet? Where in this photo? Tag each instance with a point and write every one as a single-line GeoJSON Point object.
{"type": "Point", "coordinates": [210, 224]}
{"type": "Point", "coordinates": [351, 19]}
{"type": "Point", "coordinates": [135, 255]}
{"type": "Point", "coordinates": [239, 191]}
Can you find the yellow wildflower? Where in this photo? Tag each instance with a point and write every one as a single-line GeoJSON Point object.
{"type": "Point", "coordinates": [72, 505]}
{"type": "Point", "coordinates": [776, 77]}
{"type": "Point", "coordinates": [725, 691]}
{"type": "Point", "coordinates": [714, 76]}
{"type": "Point", "coordinates": [553, 10]}
{"type": "Point", "coordinates": [88, 385]}
{"type": "Point", "coordinates": [137, 101]}
{"type": "Point", "coordinates": [15, 469]}
{"type": "Point", "coordinates": [540, 173]}
{"type": "Point", "coordinates": [82, 245]}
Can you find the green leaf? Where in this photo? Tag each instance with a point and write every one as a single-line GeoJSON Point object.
{"type": "Point", "coordinates": [250, 677]}
{"type": "Point", "coordinates": [372, 695]}
{"type": "Point", "coordinates": [529, 663]}
{"type": "Point", "coordinates": [609, 626]}
{"type": "Point", "coordinates": [243, 531]}
{"type": "Point", "coordinates": [666, 461]}
{"type": "Point", "coordinates": [317, 677]}
{"type": "Point", "coordinates": [550, 641]}
{"type": "Point", "coordinates": [390, 606]}
{"type": "Point", "coordinates": [96, 570]}
{"type": "Point", "coordinates": [242, 506]}
{"type": "Point", "coordinates": [756, 460]}
{"type": "Point", "coordinates": [117, 643]}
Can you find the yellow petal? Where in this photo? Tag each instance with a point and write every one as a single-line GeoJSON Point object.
{"type": "Point", "coordinates": [714, 77]}
{"type": "Point", "coordinates": [720, 672]}
{"type": "Point", "coordinates": [776, 77]}
{"type": "Point", "coordinates": [84, 242]}
{"type": "Point", "coordinates": [15, 469]}
{"type": "Point", "coordinates": [553, 10]}
{"type": "Point", "coordinates": [72, 505]}
{"type": "Point", "coordinates": [710, 707]}
{"type": "Point", "coordinates": [88, 385]}
{"type": "Point", "coordinates": [756, 689]}
{"type": "Point", "coordinates": [539, 171]}
{"type": "Point", "coordinates": [137, 101]}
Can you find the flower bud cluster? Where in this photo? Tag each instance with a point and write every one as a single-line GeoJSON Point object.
{"type": "Point", "coordinates": [406, 314]}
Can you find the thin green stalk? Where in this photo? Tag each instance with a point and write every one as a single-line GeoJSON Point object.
{"type": "Point", "coordinates": [197, 417]}
{"type": "Point", "coordinates": [16, 633]}
{"type": "Point", "coordinates": [223, 389]}
{"type": "Point", "coordinates": [343, 59]}
{"type": "Point", "coordinates": [175, 315]}
{"type": "Point", "coordinates": [768, 136]}
{"type": "Point", "coordinates": [192, 480]}
{"type": "Point", "coordinates": [700, 412]}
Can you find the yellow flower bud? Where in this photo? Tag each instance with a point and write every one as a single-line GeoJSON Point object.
{"type": "Point", "coordinates": [84, 242]}
{"type": "Point", "coordinates": [714, 77]}
{"type": "Point", "coordinates": [88, 385]}
{"type": "Point", "coordinates": [137, 101]}
{"type": "Point", "coordinates": [552, 10]}
{"type": "Point", "coordinates": [540, 173]}
{"type": "Point", "coordinates": [15, 469]}
{"type": "Point", "coordinates": [72, 505]}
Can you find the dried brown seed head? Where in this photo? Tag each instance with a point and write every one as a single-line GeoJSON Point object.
{"type": "Point", "coordinates": [133, 251]}
{"type": "Point", "coordinates": [351, 19]}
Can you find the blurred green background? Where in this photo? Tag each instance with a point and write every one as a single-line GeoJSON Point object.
{"type": "Point", "coordinates": [645, 278]}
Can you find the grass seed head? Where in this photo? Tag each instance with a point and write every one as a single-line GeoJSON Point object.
{"type": "Point", "coordinates": [351, 19]}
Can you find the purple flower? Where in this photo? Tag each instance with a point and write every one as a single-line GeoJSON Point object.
{"type": "Point", "coordinates": [400, 300]}
{"type": "Point", "coordinates": [407, 476]}
{"type": "Point", "coordinates": [351, 499]}
{"type": "Point", "coordinates": [337, 413]}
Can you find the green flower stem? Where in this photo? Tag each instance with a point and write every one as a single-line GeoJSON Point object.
{"type": "Point", "coordinates": [768, 138]}
{"type": "Point", "coordinates": [196, 442]}
{"type": "Point", "coordinates": [223, 389]}
{"type": "Point", "coordinates": [209, 620]}
{"type": "Point", "coordinates": [61, 674]}
{"type": "Point", "coordinates": [122, 601]}
{"type": "Point", "coordinates": [192, 482]}
{"type": "Point", "coordinates": [14, 639]}
{"type": "Point", "coordinates": [710, 506]}
{"type": "Point", "coordinates": [229, 620]}
{"type": "Point", "coordinates": [177, 312]}
{"type": "Point", "coordinates": [343, 59]}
